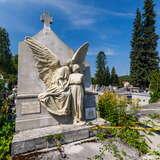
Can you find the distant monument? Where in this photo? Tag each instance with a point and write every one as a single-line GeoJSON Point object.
{"type": "Point", "coordinates": [54, 89]}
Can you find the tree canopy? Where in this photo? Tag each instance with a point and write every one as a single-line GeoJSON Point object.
{"type": "Point", "coordinates": [144, 56]}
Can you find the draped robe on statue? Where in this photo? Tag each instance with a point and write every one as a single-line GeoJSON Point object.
{"type": "Point", "coordinates": [77, 94]}
{"type": "Point", "coordinates": [57, 97]}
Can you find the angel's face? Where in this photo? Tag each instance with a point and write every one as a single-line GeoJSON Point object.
{"type": "Point", "coordinates": [69, 62]}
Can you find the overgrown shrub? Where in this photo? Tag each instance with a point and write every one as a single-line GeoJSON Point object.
{"type": "Point", "coordinates": [155, 86]}
{"type": "Point", "coordinates": [155, 96]}
{"type": "Point", "coordinates": [113, 108]}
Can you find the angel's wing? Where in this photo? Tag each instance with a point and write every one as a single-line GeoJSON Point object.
{"type": "Point", "coordinates": [46, 61]}
{"type": "Point", "coordinates": [80, 54]}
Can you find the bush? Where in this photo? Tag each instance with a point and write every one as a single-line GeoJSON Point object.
{"type": "Point", "coordinates": [155, 86]}
{"type": "Point", "coordinates": [6, 123]}
{"type": "Point", "coordinates": [155, 97]}
{"type": "Point", "coordinates": [113, 109]}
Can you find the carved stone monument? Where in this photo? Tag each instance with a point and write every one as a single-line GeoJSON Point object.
{"type": "Point", "coordinates": [53, 89]}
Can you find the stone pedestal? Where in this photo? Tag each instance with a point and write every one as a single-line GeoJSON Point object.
{"type": "Point", "coordinates": [33, 121]}
{"type": "Point", "coordinates": [34, 140]}
{"type": "Point", "coordinates": [30, 114]}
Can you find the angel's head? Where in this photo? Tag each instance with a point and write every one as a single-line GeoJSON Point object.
{"type": "Point", "coordinates": [75, 68]}
{"type": "Point", "coordinates": [68, 63]}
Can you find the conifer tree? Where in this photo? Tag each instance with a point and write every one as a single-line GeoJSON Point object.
{"type": "Point", "coordinates": [144, 56]}
{"type": "Point", "coordinates": [114, 77]}
{"type": "Point", "coordinates": [107, 80]}
{"type": "Point", "coordinates": [150, 38]}
{"type": "Point", "coordinates": [101, 76]}
{"type": "Point", "coordinates": [136, 59]}
{"type": "Point", "coordinates": [5, 54]}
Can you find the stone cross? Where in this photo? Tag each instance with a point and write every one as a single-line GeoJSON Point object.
{"type": "Point", "coordinates": [46, 19]}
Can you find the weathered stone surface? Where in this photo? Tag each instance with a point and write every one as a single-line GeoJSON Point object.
{"type": "Point", "coordinates": [28, 80]}
{"type": "Point", "coordinates": [27, 107]}
{"type": "Point", "coordinates": [30, 114]}
{"type": "Point", "coordinates": [43, 119]}
{"type": "Point", "coordinates": [34, 124]}
{"type": "Point", "coordinates": [83, 150]}
{"type": "Point", "coordinates": [41, 138]}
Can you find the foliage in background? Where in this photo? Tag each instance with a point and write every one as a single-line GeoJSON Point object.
{"type": "Point", "coordinates": [101, 76]}
{"type": "Point", "coordinates": [114, 77]}
{"type": "Point", "coordinates": [8, 72]}
{"type": "Point", "coordinates": [136, 64]}
{"type": "Point", "coordinates": [144, 56]}
{"type": "Point", "coordinates": [113, 108]}
{"type": "Point", "coordinates": [6, 122]}
{"type": "Point", "coordinates": [8, 62]}
{"type": "Point", "coordinates": [155, 86]}
{"type": "Point", "coordinates": [150, 39]}
{"type": "Point", "coordinates": [5, 54]}
{"type": "Point", "coordinates": [108, 76]}
{"type": "Point", "coordinates": [93, 80]}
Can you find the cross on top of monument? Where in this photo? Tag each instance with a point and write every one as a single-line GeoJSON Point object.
{"type": "Point", "coordinates": [46, 19]}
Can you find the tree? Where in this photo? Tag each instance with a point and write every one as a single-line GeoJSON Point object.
{"type": "Point", "coordinates": [93, 80]}
{"type": "Point", "coordinates": [150, 38]}
{"type": "Point", "coordinates": [136, 64]}
{"type": "Point", "coordinates": [5, 53]}
{"type": "Point", "coordinates": [101, 76]}
{"type": "Point", "coordinates": [114, 77]}
{"type": "Point", "coordinates": [107, 79]}
{"type": "Point", "coordinates": [144, 57]}
{"type": "Point", "coordinates": [14, 62]}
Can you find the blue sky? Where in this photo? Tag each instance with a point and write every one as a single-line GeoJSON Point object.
{"type": "Point", "coordinates": [105, 24]}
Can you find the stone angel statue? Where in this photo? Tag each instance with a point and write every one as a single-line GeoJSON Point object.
{"type": "Point", "coordinates": [64, 84]}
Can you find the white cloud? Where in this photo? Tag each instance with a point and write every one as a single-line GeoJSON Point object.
{"type": "Point", "coordinates": [108, 51]}
{"type": "Point", "coordinates": [84, 22]}
{"type": "Point", "coordinates": [78, 13]}
{"type": "Point", "coordinates": [82, 14]}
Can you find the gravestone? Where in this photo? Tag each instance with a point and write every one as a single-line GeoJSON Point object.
{"type": "Point", "coordinates": [31, 116]}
